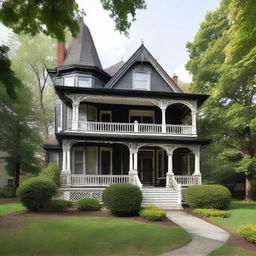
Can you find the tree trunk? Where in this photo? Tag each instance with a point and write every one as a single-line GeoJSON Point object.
{"type": "Point", "coordinates": [248, 187]}
{"type": "Point", "coordinates": [17, 176]}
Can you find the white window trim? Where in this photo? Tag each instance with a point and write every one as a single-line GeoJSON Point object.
{"type": "Point", "coordinates": [97, 157]}
{"type": "Point", "coordinates": [73, 158]}
{"type": "Point", "coordinates": [84, 76]}
{"type": "Point", "coordinates": [105, 112]}
{"type": "Point", "coordinates": [134, 112]}
{"type": "Point", "coordinates": [134, 80]}
{"type": "Point", "coordinates": [75, 79]}
{"type": "Point", "coordinates": [61, 118]}
{"type": "Point", "coordinates": [67, 77]}
{"type": "Point", "coordinates": [111, 158]}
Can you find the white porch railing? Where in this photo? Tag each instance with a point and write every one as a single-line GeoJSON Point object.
{"type": "Point", "coordinates": [134, 128]}
{"type": "Point", "coordinates": [188, 180]}
{"type": "Point", "coordinates": [95, 180]}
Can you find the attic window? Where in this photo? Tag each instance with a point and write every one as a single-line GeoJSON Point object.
{"type": "Point", "coordinates": [141, 81]}
{"type": "Point", "coordinates": [84, 82]}
{"type": "Point", "coordinates": [69, 81]}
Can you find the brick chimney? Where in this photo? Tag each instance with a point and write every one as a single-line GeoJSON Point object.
{"type": "Point", "coordinates": [61, 53]}
{"type": "Point", "coordinates": [175, 78]}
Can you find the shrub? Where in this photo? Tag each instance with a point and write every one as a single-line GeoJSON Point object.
{"type": "Point", "coordinates": [248, 232]}
{"type": "Point", "coordinates": [57, 205]}
{"type": "Point", "coordinates": [208, 197]}
{"type": "Point", "coordinates": [52, 171]}
{"type": "Point", "coordinates": [33, 193]}
{"type": "Point", "coordinates": [212, 213]}
{"type": "Point", "coordinates": [122, 199]}
{"type": "Point", "coordinates": [88, 204]}
{"type": "Point", "coordinates": [152, 213]}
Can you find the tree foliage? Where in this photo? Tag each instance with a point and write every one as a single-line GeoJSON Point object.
{"type": "Point", "coordinates": [222, 61]}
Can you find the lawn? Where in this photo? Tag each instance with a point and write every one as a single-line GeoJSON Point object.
{"type": "Point", "coordinates": [10, 208]}
{"type": "Point", "coordinates": [232, 251]}
{"type": "Point", "coordinates": [91, 236]}
{"type": "Point", "coordinates": [241, 213]}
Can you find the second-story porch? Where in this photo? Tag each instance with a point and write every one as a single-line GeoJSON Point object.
{"type": "Point", "coordinates": [112, 114]}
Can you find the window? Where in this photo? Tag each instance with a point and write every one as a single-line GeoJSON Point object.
{"type": "Point", "coordinates": [53, 157]}
{"type": "Point", "coordinates": [69, 81]}
{"type": "Point", "coordinates": [78, 161]}
{"type": "Point", "coordinates": [84, 82]}
{"type": "Point", "coordinates": [141, 81]}
{"type": "Point", "coordinates": [142, 116]}
{"type": "Point", "coordinates": [91, 160]}
{"type": "Point", "coordinates": [91, 113]}
{"type": "Point", "coordinates": [105, 116]}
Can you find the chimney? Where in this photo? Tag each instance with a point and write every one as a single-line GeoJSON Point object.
{"type": "Point", "coordinates": [175, 78]}
{"type": "Point", "coordinates": [61, 53]}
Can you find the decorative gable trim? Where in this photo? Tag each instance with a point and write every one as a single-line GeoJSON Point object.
{"type": "Point", "coordinates": [143, 55]}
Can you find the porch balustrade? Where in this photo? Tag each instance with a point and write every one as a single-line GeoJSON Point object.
{"type": "Point", "coordinates": [135, 128]}
{"type": "Point", "coordinates": [95, 180]}
{"type": "Point", "coordinates": [188, 180]}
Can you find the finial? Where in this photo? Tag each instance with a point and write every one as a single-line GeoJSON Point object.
{"type": "Point", "coordinates": [142, 41]}
{"type": "Point", "coordinates": [82, 13]}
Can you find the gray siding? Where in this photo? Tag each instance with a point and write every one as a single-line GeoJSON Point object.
{"type": "Point", "coordinates": [157, 82]}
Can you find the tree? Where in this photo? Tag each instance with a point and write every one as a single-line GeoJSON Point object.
{"type": "Point", "coordinates": [222, 61]}
{"type": "Point", "coordinates": [31, 55]}
{"type": "Point", "coordinates": [19, 136]}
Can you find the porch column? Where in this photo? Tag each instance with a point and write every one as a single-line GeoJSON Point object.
{"type": "Point", "coordinates": [135, 161]}
{"type": "Point", "coordinates": [64, 161]}
{"type": "Point", "coordinates": [163, 109]}
{"type": "Point", "coordinates": [197, 164]}
{"type": "Point", "coordinates": [68, 160]}
{"type": "Point", "coordinates": [131, 162]}
{"type": "Point", "coordinates": [75, 117]}
{"type": "Point", "coordinates": [193, 115]}
{"type": "Point", "coordinates": [170, 166]}
{"type": "Point", "coordinates": [66, 171]}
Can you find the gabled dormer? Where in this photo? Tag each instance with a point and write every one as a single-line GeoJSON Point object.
{"type": "Point", "coordinates": [142, 72]}
{"type": "Point", "coordinates": [79, 65]}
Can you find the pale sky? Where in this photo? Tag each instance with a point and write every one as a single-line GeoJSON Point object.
{"type": "Point", "coordinates": [165, 27]}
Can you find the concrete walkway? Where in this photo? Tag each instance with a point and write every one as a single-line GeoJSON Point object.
{"type": "Point", "coordinates": [206, 237]}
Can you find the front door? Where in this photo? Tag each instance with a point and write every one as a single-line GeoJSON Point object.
{"type": "Point", "coordinates": [145, 167]}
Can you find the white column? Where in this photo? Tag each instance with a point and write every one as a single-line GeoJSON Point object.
{"type": "Point", "coordinates": [131, 162]}
{"type": "Point", "coordinates": [163, 119]}
{"type": "Point", "coordinates": [170, 166]}
{"type": "Point", "coordinates": [193, 114]}
{"type": "Point", "coordinates": [68, 160]}
{"type": "Point", "coordinates": [75, 117]}
{"type": "Point", "coordinates": [136, 161]}
{"type": "Point", "coordinates": [197, 164]}
{"type": "Point", "coordinates": [64, 161]}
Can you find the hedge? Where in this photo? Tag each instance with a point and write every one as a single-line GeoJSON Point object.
{"type": "Point", "coordinates": [122, 199]}
{"type": "Point", "coordinates": [35, 192]}
{"type": "Point", "coordinates": [152, 213]}
{"type": "Point", "coordinates": [248, 232]}
{"type": "Point", "coordinates": [57, 205]}
{"type": "Point", "coordinates": [52, 171]}
{"type": "Point", "coordinates": [88, 204]}
{"type": "Point", "coordinates": [212, 213]}
{"type": "Point", "coordinates": [208, 197]}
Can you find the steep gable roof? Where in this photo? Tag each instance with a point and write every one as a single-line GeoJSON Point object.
{"type": "Point", "coordinates": [143, 55]}
{"type": "Point", "coordinates": [114, 68]}
{"type": "Point", "coordinates": [82, 50]}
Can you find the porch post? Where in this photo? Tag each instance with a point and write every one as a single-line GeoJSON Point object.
{"type": "Point", "coordinates": [163, 109]}
{"type": "Point", "coordinates": [197, 164]}
{"type": "Point", "coordinates": [75, 117]}
{"type": "Point", "coordinates": [68, 160]}
{"type": "Point", "coordinates": [193, 114]}
{"type": "Point", "coordinates": [131, 162]}
{"type": "Point", "coordinates": [170, 166]}
{"type": "Point", "coordinates": [66, 172]}
{"type": "Point", "coordinates": [136, 161]}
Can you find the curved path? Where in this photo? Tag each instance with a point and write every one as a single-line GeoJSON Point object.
{"type": "Point", "coordinates": [206, 237]}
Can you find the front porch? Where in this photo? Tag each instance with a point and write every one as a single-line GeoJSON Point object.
{"type": "Point", "coordinates": [100, 164]}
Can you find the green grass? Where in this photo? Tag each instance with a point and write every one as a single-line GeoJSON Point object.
{"type": "Point", "coordinates": [241, 213]}
{"type": "Point", "coordinates": [7, 199]}
{"type": "Point", "coordinates": [10, 208]}
{"type": "Point", "coordinates": [231, 251]}
{"type": "Point", "coordinates": [91, 236]}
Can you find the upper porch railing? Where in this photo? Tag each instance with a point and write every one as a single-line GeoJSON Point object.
{"type": "Point", "coordinates": [141, 128]}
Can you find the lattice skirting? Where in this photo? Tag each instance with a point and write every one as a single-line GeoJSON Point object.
{"type": "Point", "coordinates": [76, 195]}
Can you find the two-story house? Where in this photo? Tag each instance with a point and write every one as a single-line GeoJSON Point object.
{"type": "Point", "coordinates": [129, 123]}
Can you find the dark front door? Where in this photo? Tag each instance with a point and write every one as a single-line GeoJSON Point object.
{"type": "Point", "coordinates": [145, 167]}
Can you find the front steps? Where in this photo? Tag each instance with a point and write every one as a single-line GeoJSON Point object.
{"type": "Point", "coordinates": [166, 198]}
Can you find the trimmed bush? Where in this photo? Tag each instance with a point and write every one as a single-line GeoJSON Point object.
{"type": "Point", "coordinates": [88, 204]}
{"type": "Point", "coordinates": [248, 232]}
{"type": "Point", "coordinates": [122, 199]}
{"type": "Point", "coordinates": [152, 213]}
{"type": "Point", "coordinates": [212, 213]}
{"type": "Point", "coordinates": [52, 171]}
{"type": "Point", "coordinates": [208, 197]}
{"type": "Point", "coordinates": [57, 205]}
{"type": "Point", "coordinates": [35, 192]}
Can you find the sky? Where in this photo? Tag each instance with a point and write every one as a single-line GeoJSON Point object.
{"type": "Point", "coordinates": [165, 27]}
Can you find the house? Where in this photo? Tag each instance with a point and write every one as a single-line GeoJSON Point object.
{"type": "Point", "coordinates": [6, 181]}
{"type": "Point", "coordinates": [129, 123]}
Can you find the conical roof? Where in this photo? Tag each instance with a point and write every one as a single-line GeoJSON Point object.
{"type": "Point", "coordinates": [82, 50]}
